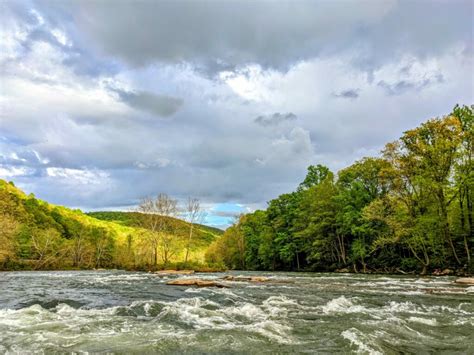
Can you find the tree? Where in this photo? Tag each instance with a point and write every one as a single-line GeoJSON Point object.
{"type": "Point", "coordinates": [228, 249]}
{"type": "Point", "coordinates": [8, 230]}
{"type": "Point", "coordinates": [103, 244]}
{"type": "Point", "coordinates": [316, 174]}
{"type": "Point", "coordinates": [358, 185]}
{"type": "Point", "coordinates": [46, 245]}
{"type": "Point", "coordinates": [465, 175]}
{"type": "Point", "coordinates": [156, 218]}
{"type": "Point", "coordinates": [78, 243]}
{"type": "Point", "coordinates": [194, 214]}
{"type": "Point", "coordinates": [432, 150]}
{"type": "Point", "coordinates": [324, 244]}
{"type": "Point", "coordinates": [282, 214]}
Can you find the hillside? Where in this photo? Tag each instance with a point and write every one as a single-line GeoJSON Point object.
{"type": "Point", "coordinates": [37, 235]}
{"type": "Point", "coordinates": [130, 219]}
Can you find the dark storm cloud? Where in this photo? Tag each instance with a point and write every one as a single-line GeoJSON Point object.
{"type": "Point", "coordinates": [403, 86]}
{"type": "Point", "coordinates": [160, 105]}
{"type": "Point", "coordinates": [348, 94]}
{"type": "Point", "coordinates": [217, 35]}
{"type": "Point", "coordinates": [275, 119]}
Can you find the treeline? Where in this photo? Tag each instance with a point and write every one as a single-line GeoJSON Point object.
{"type": "Point", "coordinates": [409, 210]}
{"type": "Point", "coordinates": [37, 235]}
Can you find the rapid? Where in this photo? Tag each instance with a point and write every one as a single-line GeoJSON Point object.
{"type": "Point", "coordinates": [136, 312]}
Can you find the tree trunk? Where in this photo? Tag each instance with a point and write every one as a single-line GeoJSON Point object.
{"type": "Point", "coordinates": [444, 219]}
{"type": "Point", "coordinates": [342, 250]}
{"type": "Point", "coordinates": [425, 263]}
{"type": "Point", "coordinates": [469, 213]}
{"type": "Point", "coordinates": [189, 243]}
{"type": "Point", "coordinates": [364, 266]}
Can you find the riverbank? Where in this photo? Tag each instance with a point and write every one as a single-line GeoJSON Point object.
{"type": "Point", "coordinates": [209, 269]}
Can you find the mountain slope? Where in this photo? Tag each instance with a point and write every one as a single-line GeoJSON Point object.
{"type": "Point", "coordinates": [37, 235]}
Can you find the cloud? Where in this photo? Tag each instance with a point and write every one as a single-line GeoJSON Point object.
{"type": "Point", "coordinates": [185, 31]}
{"type": "Point", "coordinates": [160, 105]}
{"type": "Point", "coordinates": [402, 86]}
{"type": "Point", "coordinates": [7, 172]}
{"type": "Point", "coordinates": [410, 74]}
{"type": "Point", "coordinates": [274, 36]}
{"type": "Point", "coordinates": [348, 94]}
{"type": "Point", "coordinates": [78, 176]}
{"type": "Point", "coordinates": [275, 119]}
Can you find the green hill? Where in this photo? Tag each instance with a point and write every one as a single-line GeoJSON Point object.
{"type": "Point", "coordinates": [37, 235]}
{"type": "Point", "coordinates": [130, 219]}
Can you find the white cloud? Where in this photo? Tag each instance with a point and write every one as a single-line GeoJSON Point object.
{"type": "Point", "coordinates": [61, 37]}
{"type": "Point", "coordinates": [8, 172]}
{"type": "Point", "coordinates": [78, 176]}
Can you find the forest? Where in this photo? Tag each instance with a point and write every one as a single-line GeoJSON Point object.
{"type": "Point", "coordinates": [37, 235]}
{"type": "Point", "coordinates": [409, 210]}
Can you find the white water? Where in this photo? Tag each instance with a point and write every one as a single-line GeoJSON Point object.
{"type": "Point", "coordinates": [136, 312]}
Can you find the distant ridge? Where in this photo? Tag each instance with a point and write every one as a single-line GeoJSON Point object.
{"type": "Point", "coordinates": [35, 234]}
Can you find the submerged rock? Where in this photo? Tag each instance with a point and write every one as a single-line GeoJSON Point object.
{"type": "Point", "coordinates": [246, 278]}
{"type": "Point", "coordinates": [196, 282]}
{"type": "Point", "coordinates": [465, 281]}
{"type": "Point", "coordinates": [174, 272]}
{"type": "Point", "coordinates": [444, 272]}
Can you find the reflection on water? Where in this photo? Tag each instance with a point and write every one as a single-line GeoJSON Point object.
{"type": "Point", "coordinates": [131, 312]}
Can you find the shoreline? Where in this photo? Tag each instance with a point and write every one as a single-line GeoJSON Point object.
{"type": "Point", "coordinates": [175, 272]}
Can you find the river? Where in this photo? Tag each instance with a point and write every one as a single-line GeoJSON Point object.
{"type": "Point", "coordinates": [135, 312]}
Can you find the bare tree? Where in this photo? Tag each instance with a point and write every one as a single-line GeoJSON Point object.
{"type": "Point", "coordinates": [79, 244]}
{"type": "Point", "coordinates": [100, 240]}
{"type": "Point", "coordinates": [194, 214]}
{"type": "Point", "coordinates": [45, 244]}
{"type": "Point", "coordinates": [155, 218]}
{"type": "Point", "coordinates": [169, 246]}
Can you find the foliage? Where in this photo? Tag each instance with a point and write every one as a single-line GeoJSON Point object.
{"type": "Point", "coordinates": [411, 209]}
{"type": "Point", "coordinates": [37, 235]}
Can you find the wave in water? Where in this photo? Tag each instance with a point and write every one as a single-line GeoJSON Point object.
{"type": "Point", "coordinates": [59, 326]}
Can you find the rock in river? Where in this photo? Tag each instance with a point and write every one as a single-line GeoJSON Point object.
{"type": "Point", "coordinates": [246, 278]}
{"type": "Point", "coordinates": [196, 282]}
{"type": "Point", "coordinates": [174, 272]}
{"type": "Point", "coordinates": [465, 281]}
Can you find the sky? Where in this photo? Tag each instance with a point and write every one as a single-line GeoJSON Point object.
{"type": "Point", "coordinates": [103, 103]}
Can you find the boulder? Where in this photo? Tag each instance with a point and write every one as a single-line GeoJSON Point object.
{"type": "Point", "coordinates": [344, 270]}
{"type": "Point", "coordinates": [196, 282]}
{"type": "Point", "coordinates": [246, 278]}
{"type": "Point", "coordinates": [259, 279]}
{"type": "Point", "coordinates": [174, 272]}
{"type": "Point", "coordinates": [465, 281]}
{"type": "Point", "coordinates": [446, 272]}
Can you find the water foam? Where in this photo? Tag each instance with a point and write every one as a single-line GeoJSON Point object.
{"type": "Point", "coordinates": [342, 305]}
{"type": "Point", "coordinates": [266, 319]}
{"type": "Point", "coordinates": [427, 321]}
{"type": "Point", "coordinates": [357, 338]}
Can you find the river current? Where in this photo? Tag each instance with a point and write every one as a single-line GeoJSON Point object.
{"type": "Point", "coordinates": [134, 312]}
